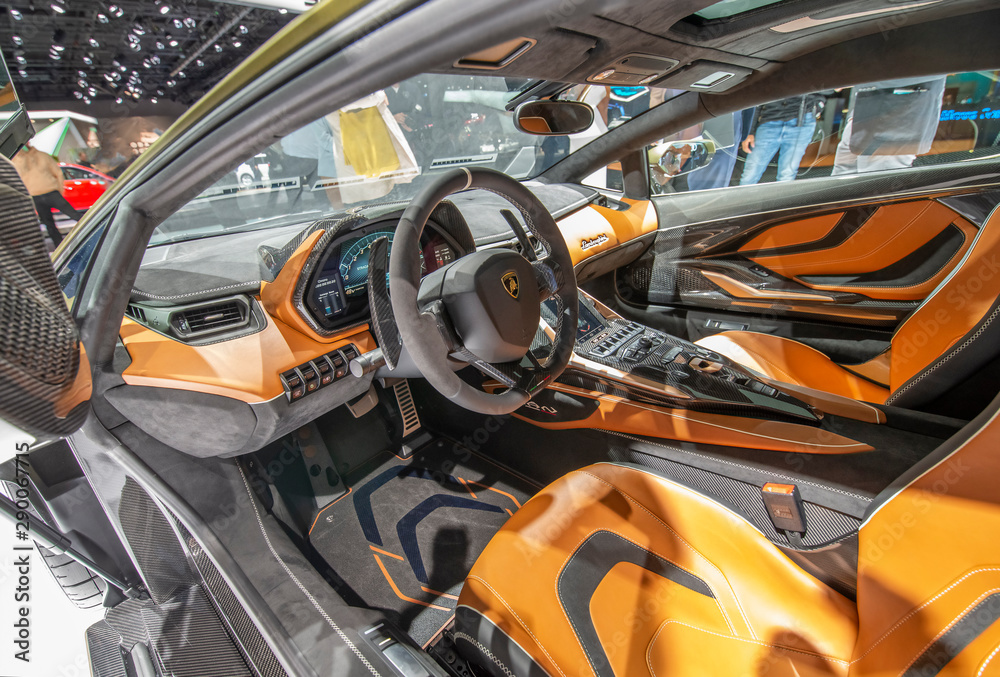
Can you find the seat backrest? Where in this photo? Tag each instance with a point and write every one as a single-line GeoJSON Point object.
{"type": "Point", "coordinates": [953, 333]}
{"type": "Point", "coordinates": [929, 564]}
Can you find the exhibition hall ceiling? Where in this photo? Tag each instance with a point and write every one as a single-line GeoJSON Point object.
{"type": "Point", "coordinates": [129, 50]}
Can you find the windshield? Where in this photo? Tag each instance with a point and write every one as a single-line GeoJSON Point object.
{"type": "Point", "coordinates": [386, 146]}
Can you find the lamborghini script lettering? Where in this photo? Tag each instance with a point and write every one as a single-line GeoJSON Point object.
{"type": "Point", "coordinates": [595, 241]}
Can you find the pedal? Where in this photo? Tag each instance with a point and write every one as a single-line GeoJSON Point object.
{"type": "Point", "coordinates": [407, 408]}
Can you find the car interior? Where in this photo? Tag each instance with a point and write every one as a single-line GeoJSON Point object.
{"type": "Point", "coordinates": [743, 430]}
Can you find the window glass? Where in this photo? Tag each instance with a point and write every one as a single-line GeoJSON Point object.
{"type": "Point", "coordinates": [728, 8]}
{"type": "Point", "coordinates": [71, 275]}
{"type": "Point", "coordinates": [72, 173]}
{"type": "Point", "coordinates": [880, 126]}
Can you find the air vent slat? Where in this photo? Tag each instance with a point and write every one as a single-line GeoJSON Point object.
{"type": "Point", "coordinates": [211, 318]}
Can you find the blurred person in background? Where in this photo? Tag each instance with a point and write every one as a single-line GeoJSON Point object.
{"type": "Point", "coordinates": [43, 178]}
{"type": "Point", "coordinates": [784, 127]}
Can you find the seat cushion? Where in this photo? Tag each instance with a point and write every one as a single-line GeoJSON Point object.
{"type": "Point", "coordinates": [614, 570]}
{"type": "Point", "coordinates": [793, 362]}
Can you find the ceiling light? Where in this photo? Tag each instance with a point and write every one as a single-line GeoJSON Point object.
{"type": "Point", "coordinates": [86, 100]}
{"type": "Point", "coordinates": [237, 43]}
{"type": "Point", "coordinates": [91, 91]}
{"type": "Point", "coordinates": [165, 9]}
{"type": "Point", "coordinates": [93, 43]}
{"type": "Point", "coordinates": [178, 23]}
{"type": "Point", "coordinates": [155, 59]}
{"type": "Point", "coordinates": [16, 39]}
{"type": "Point", "coordinates": [173, 43]}
{"type": "Point", "coordinates": [199, 63]}
{"type": "Point", "coordinates": [153, 100]}
{"type": "Point", "coordinates": [109, 77]}
{"type": "Point", "coordinates": [102, 18]}
{"type": "Point", "coordinates": [159, 92]}
{"type": "Point", "coordinates": [23, 73]}
{"type": "Point", "coordinates": [190, 23]}
{"type": "Point", "coordinates": [138, 29]}
{"type": "Point", "coordinates": [59, 48]}
{"type": "Point", "coordinates": [243, 30]}
{"type": "Point", "coordinates": [118, 100]}
{"type": "Point", "coordinates": [146, 63]}
{"type": "Point", "coordinates": [159, 45]}
{"type": "Point", "coordinates": [78, 95]}
{"type": "Point", "coordinates": [81, 74]}
{"type": "Point", "coordinates": [282, 10]}
{"type": "Point", "coordinates": [82, 83]}
{"type": "Point", "coordinates": [171, 83]}
{"type": "Point", "coordinates": [58, 9]}
{"type": "Point", "coordinates": [218, 47]}
{"type": "Point", "coordinates": [182, 75]}
{"type": "Point", "coordinates": [116, 11]}
{"type": "Point", "coordinates": [21, 61]}
{"type": "Point", "coordinates": [55, 56]}
{"type": "Point", "coordinates": [89, 60]}
{"type": "Point", "coordinates": [15, 15]}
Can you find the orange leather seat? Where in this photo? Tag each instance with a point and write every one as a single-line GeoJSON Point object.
{"type": "Point", "coordinates": [948, 338]}
{"type": "Point", "coordinates": [615, 570]}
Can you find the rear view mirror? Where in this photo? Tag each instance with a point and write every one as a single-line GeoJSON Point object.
{"type": "Point", "coordinates": [673, 158]}
{"type": "Point", "coordinates": [553, 118]}
{"type": "Point", "coordinates": [44, 374]}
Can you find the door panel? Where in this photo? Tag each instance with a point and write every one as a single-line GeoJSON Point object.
{"type": "Point", "coordinates": [860, 251]}
{"type": "Point", "coordinates": [900, 251]}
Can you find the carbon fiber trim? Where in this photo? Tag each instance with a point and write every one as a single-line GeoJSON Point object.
{"type": "Point", "coordinates": [39, 343]}
{"type": "Point", "coordinates": [188, 639]}
{"type": "Point", "coordinates": [161, 561]}
{"type": "Point", "coordinates": [248, 638]}
{"type": "Point", "coordinates": [823, 526]}
{"type": "Point", "coordinates": [104, 650]}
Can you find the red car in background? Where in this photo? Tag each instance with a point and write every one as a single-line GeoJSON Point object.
{"type": "Point", "coordinates": [83, 185]}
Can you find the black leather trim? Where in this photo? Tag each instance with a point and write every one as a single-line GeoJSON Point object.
{"type": "Point", "coordinates": [585, 570]}
{"type": "Point", "coordinates": [958, 636]}
{"type": "Point", "coordinates": [475, 635]}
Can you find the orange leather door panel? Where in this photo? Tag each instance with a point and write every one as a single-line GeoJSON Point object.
{"type": "Point", "coordinates": [891, 234]}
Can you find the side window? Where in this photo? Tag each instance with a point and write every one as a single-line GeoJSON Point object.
{"type": "Point", "coordinates": [879, 126]}
{"type": "Point", "coordinates": [71, 275]}
{"type": "Point", "coordinates": [71, 173]}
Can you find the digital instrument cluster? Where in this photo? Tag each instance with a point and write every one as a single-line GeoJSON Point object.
{"type": "Point", "coordinates": [338, 292]}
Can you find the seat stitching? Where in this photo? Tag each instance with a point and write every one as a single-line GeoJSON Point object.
{"type": "Point", "coordinates": [520, 622]}
{"type": "Point", "coordinates": [948, 627]}
{"type": "Point", "coordinates": [745, 467]}
{"type": "Point", "coordinates": [982, 668]}
{"type": "Point", "coordinates": [665, 623]}
{"type": "Point", "coordinates": [573, 552]}
{"type": "Point", "coordinates": [927, 372]}
{"type": "Point", "coordinates": [302, 588]}
{"type": "Point", "coordinates": [486, 652]}
{"type": "Point", "coordinates": [919, 608]}
{"type": "Point", "coordinates": [689, 547]}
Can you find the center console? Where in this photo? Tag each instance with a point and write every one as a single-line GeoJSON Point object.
{"type": "Point", "coordinates": [613, 354]}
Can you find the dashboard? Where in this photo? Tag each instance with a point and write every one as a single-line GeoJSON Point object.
{"type": "Point", "coordinates": [337, 294]}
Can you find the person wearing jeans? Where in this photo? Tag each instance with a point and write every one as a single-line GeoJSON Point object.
{"type": "Point", "coordinates": [784, 127]}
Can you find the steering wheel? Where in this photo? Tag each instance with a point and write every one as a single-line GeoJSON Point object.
{"type": "Point", "coordinates": [484, 308]}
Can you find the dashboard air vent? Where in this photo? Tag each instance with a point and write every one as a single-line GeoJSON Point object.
{"type": "Point", "coordinates": [136, 313]}
{"type": "Point", "coordinates": [211, 317]}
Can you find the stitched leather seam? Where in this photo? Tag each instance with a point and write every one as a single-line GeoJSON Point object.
{"type": "Point", "coordinates": [947, 628]}
{"type": "Point", "coordinates": [745, 467]}
{"type": "Point", "coordinates": [649, 663]}
{"type": "Point", "coordinates": [692, 549]}
{"type": "Point", "coordinates": [576, 549]}
{"type": "Point", "coordinates": [523, 625]}
{"type": "Point", "coordinates": [302, 588]}
{"type": "Point", "coordinates": [982, 668]}
{"type": "Point", "coordinates": [917, 610]}
{"type": "Point", "coordinates": [195, 293]}
{"type": "Point", "coordinates": [486, 652]}
{"type": "Point", "coordinates": [969, 341]}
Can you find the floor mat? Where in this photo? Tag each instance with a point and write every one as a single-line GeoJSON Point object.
{"type": "Point", "coordinates": [407, 533]}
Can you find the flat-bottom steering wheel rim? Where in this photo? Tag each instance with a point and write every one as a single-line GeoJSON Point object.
{"type": "Point", "coordinates": [420, 331]}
